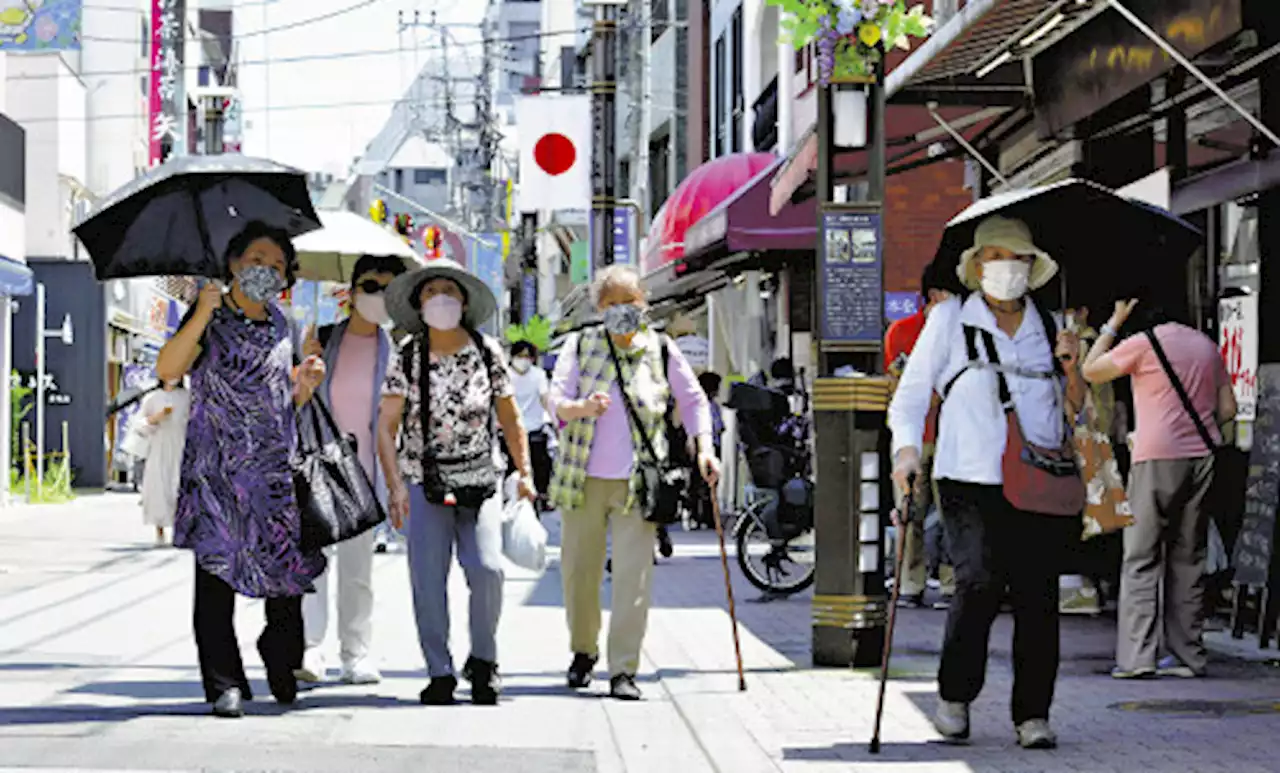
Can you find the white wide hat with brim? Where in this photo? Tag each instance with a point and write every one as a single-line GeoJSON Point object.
{"type": "Point", "coordinates": [405, 290]}
{"type": "Point", "coordinates": [1012, 235]}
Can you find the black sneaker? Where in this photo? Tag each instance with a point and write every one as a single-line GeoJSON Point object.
{"type": "Point", "coordinates": [623, 687]}
{"type": "Point", "coordinates": [439, 691]}
{"type": "Point", "coordinates": [665, 548]}
{"type": "Point", "coordinates": [486, 685]}
{"type": "Point", "coordinates": [580, 671]}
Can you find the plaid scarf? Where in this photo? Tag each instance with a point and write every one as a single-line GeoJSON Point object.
{"type": "Point", "coordinates": [649, 393]}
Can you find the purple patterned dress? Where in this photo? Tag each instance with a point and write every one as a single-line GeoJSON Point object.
{"type": "Point", "coordinates": [236, 506]}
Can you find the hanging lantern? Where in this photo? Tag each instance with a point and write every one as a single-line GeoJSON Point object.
{"type": "Point", "coordinates": [432, 240]}
{"type": "Point", "coordinates": [404, 225]}
{"type": "Point", "coordinates": [378, 211]}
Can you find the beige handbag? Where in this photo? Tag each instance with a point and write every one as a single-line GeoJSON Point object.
{"type": "Point", "coordinates": [1106, 507]}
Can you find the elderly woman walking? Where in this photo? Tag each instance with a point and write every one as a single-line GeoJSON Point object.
{"type": "Point", "coordinates": [449, 382]}
{"type": "Point", "coordinates": [236, 507]}
{"type": "Point", "coordinates": [614, 387]}
{"type": "Point", "coordinates": [1002, 370]}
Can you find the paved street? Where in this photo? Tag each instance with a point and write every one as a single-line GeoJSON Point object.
{"type": "Point", "coordinates": [97, 673]}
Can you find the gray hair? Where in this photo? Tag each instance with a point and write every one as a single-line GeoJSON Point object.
{"type": "Point", "coordinates": [615, 277]}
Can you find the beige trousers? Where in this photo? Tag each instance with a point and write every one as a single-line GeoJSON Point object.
{"type": "Point", "coordinates": [583, 547]}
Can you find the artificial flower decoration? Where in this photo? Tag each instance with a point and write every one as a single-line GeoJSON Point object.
{"type": "Point", "coordinates": [378, 211]}
{"type": "Point", "coordinates": [852, 35]}
{"type": "Point", "coordinates": [343, 296]}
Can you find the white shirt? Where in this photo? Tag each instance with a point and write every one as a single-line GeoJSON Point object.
{"type": "Point", "coordinates": [530, 387]}
{"type": "Point", "coordinates": [972, 427]}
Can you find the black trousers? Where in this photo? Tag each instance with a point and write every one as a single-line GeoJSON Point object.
{"type": "Point", "coordinates": [540, 453]}
{"type": "Point", "coordinates": [993, 547]}
{"type": "Point", "coordinates": [280, 645]}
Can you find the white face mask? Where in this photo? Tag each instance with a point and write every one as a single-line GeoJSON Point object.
{"type": "Point", "coordinates": [372, 308]}
{"type": "Point", "coordinates": [1006, 280]}
{"type": "Point", "coordinates": [522, 364]}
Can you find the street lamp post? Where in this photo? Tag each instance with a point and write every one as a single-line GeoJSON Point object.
{"type": "Point", "coordinates": [67, 336]}
{"type": "Point", "coordinates": [849, 603]}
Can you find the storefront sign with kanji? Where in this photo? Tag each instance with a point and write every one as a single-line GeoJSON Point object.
{"type": "Point", "coordinates": [1238, 337]}
{"type": "Point", "coordinates": [167, 114]}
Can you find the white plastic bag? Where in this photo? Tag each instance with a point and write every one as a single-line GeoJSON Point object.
{"type": "Point", "coordinates": [524, 539]}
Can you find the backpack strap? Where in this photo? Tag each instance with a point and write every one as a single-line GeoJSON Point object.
{"type": "Point", "coordinates": [1187, 405]}
{"type": "Point", "coordinates": [971, 347]}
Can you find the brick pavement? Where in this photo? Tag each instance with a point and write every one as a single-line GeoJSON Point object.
{"type": "Point", "coordinates": [97, 672]}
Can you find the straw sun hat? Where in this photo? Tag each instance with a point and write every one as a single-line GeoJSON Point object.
{"type": "Point", "coordinates": [1012, 235]}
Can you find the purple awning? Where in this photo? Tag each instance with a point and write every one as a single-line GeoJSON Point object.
{"type": "Point", "coordinates": [742, 223]}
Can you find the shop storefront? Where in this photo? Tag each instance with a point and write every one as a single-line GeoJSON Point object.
{"type": "Point", "coordinates": [140, 318]}
{"type": "Point", "coordinates": [1174, 102]}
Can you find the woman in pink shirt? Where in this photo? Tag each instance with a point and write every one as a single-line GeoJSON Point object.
{"type": "Point", "coordinates": [604, 450]}
{"type": "Point", "coordinates": [1181, 396]}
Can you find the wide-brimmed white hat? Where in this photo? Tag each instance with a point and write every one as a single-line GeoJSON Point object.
{"type": "Point", "coordinates": [404, 291]}
{"type": "Point", "coordinates": [1012, 235]}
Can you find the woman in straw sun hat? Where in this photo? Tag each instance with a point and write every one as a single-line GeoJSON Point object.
{"type": "Point", "coordinates": [1008, 380]}
{"type": "Point", "coordinates": [445, 478]}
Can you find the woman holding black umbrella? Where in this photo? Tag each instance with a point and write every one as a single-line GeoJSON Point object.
{"type": "Point", "coordinates": [236, 506]}
{"type": "Point", "coordinates": [1009, 382]}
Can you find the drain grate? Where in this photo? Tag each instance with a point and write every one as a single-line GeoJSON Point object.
{"type": "Point", "coordinates": [1201, 708]}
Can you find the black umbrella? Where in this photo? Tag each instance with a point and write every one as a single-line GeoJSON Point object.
{"type": "Point", "coordinates": [1106, 244]}
{"type": "Point", "coordinates": [177, 219]}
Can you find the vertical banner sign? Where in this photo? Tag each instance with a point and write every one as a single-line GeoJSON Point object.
{"type": "Point", "coordinates": [622, 218]}
{"type": "Point", "coordinates": [851, 277]}
{"type": "Point", "coordinates": [167, 114]}
{"type": "Point", "coordinates": [580, 263]}
{"type": "Point", "coordinates": [1238, 337]}
{"type": "Point", "coordinates": [528, 296]}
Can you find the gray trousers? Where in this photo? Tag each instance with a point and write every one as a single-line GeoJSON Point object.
{"type": "Point", "coordinates": [1162, 582]}
{"type": "Point", "coordinates": [433, 530]}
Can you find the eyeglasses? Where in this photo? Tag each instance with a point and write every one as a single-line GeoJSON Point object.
{"type": "Point", "coordinates": [371, 287]}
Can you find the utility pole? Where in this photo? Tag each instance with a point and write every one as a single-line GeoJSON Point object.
{"type": "Point", "coordinates": [641, 175]}
{"type": "Point", "coordinates": [604, 125]}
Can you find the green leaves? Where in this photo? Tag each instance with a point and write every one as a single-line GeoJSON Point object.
{"type": "Point", "coordinates": [538, 332]}
{"type": "Point", "coordinates": [898, 25]}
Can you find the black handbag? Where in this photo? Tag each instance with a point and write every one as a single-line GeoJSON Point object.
{"type": "Point", "coordinates": [663, 485]}
{"type": "Point", "coordinates": [336, 499]}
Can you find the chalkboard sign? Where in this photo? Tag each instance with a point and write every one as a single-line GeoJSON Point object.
{"type": "Point", "coordinates": [851, 277]}
{"type": "Point", "coordinates": [1255, 546]}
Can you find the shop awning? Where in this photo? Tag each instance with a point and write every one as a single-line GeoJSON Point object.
{"type": "Point", "coordinates": [743, 223]}
{"type": "Point", "coordinates": [697, 194]}
{"type": "Point", "coordinates": [16, 279]}
{"type": "Point", "coordinates": [912, 130]}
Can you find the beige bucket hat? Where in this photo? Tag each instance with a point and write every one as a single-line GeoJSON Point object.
{"type": "Point", "coordinates": [1013, 235]}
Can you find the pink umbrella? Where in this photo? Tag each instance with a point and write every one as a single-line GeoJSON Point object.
{"type": "Point", "coordinates": [699, 193]}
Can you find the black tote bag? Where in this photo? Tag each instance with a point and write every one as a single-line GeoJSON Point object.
{"type": "Point", "coordinates": [336, 499]}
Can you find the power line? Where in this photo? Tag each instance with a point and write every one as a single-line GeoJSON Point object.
{"type": "Point", "coordinates": [311, 57]}
{"type": "Point", "coordinates": [255, 33]}
{"type": "Point", "coordinates": [139, 115]}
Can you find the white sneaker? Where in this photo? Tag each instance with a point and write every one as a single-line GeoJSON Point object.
{"type": "Point", "coordinates": [313, 668]}
{"type": "Point", "coordinates": [1036, 734]}
{"type": "Point", "coordinates": [360, 672]}
{"type": "Point", "coordinates": [951, 720]}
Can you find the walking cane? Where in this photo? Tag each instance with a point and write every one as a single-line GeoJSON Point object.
{"type": "Point", "coordinates": [900, 523]}
{"type": "Point", "coordinates": [728, 589]}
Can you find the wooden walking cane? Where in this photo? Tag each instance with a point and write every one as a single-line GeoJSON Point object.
{"type": "Point", "coordinates": [900, 524]}
{"type": "Point", "coordinates": [728, 588]}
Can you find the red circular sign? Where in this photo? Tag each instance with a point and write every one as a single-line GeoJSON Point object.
{"type": "Point", "coordinates": [555, 154]}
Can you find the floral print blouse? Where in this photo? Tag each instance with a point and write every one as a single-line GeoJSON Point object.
{"type": "Point", "coordinates": [462, 395]}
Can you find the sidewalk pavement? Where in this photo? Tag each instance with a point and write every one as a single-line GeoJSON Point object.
{"type": "Point", "coordinates": [97, 673]}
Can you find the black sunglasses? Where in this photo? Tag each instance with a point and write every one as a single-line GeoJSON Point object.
{"type": "Point", "coordinates": [371, 287]}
